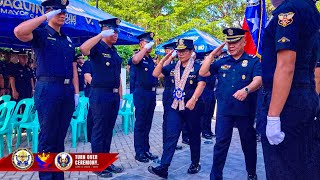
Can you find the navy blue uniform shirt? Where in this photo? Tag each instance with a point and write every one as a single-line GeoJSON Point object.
{"type": "Point", "coordinates": [293, 27]}
{"type": "Point", "coordinates": [106, 66]}
{"type": "Point", "coordinates": [22, 76]}
{"type": "Point", "coordinates": [54, 53]}
{"type": "Point", "coordinates": [143, 73]}
{"type": "Point", "coordinates": [192, 81]}
{"type": "Point", "coordinates": [234, 75]}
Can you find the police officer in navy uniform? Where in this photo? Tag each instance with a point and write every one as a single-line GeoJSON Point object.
{"type": "Point", "coordinates": [87, 73]}
{"type": "Point", "coordinates": [80, 62]}
{"type": "Point", "coordinates": [105, 87]}
{"type": "Point", "coordinates": [144, 97]}
{"type": "Point", "coordinates": [132, 76]}
{"type": "Point", "coordinates": [210, 99]}
{"type": "Point", "coordinates": [290, 99]}
{"type": "Point", "coordinates": [54, 95]}
{"type": "Point", "coordinates": [239, 75]}
{"type": "Point", "coordinates": [21, 78]}
{"type": "Point", "coordinates": [185, 106]}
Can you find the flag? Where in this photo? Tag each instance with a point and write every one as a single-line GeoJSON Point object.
{"type": "Point", "coordinates": [255, 21]}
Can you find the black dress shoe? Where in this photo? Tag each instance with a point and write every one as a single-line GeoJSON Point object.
{"type": "Point", "coordinates": [159, 171]}
{"type": "Point", "coordinates": [104, 174]}
{"type": "Point", "coordinates": [252, 177]}
{"type": "Point", "coordinates": [115, 169]}
{"type": "Point", "coordinates": [207, 136]}
{"type": "Point", "coordinates": [186, 141]}
{"type": "Point", "coordinates": [194, 168]}
{"type": "Point", "coordinates": [150, 156]}
{"type": "Point", "coordinates": [178, 147]}
{"type": "Point", "coordinates": [142, 158]}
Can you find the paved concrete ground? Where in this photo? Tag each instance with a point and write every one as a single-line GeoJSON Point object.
{"type": "Point", "coordinates": [123, 144]}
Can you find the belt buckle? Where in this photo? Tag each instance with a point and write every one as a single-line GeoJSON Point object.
{"type": "Point", "coordinates": [66, 81]}
{"type": "Point", "coordinates": [115, 90]}
{"type": "Point", "coordinates": [153, 89]}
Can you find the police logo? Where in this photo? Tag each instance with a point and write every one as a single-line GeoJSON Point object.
{"type": "Point", "coordinates": [107, 64]}
{"type": "Point", "coordinates": [63, 161]}
{"type": "Point", "coordinates": [181, 42]}
{"type": "Point", "coordinates": [22, 159]}
{"type": "Point", "coordinates": [243, 77]}
{"type": "Point", "coordinates": [285, 19]}
{"type": "Point", "coordinates": [230, 32]}
{"type": "Point", "coordinates": [283, 40]}
{"type": "Point", "coordinates": [244, 63]}
{"type": "Point", "coordinates": [146, 69]}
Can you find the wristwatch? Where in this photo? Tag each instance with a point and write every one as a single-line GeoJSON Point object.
{"type": "Point", "coordinates": [247, 90]}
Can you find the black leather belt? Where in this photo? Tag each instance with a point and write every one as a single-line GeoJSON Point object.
{"type": "Point", "coordinates": [55, 79]}
{"type": "Point", "coordinates": [107, 89]}
{"type": "Point", "coordinates": [147, 88]}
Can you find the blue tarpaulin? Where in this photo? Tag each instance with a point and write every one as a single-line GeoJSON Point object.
{"type": "Point", "coordinates": [203, 42]}
{"type": "Point", "coordinates": [81, 22]}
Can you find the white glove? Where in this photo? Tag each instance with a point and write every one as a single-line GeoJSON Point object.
{"type": "Point", "coordinates": [193, 55]}
{"type": "Point", "coordinates": [76, 99]}
{"type": "Point", "coordinates": [149, 45]}
{"type": "Point", "coordinates": [174, 54]}
{"type": "Point", "coordinates": [106, 33]}
{"type": "Point", "coordinates": [53, 13]}
{"type": "Point", "coordinates": [120, 105]}
{"type": "Point", "coordinates": [273, 131]}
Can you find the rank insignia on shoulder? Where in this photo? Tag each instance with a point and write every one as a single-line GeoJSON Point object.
{"type": "Point", "coordinates": [106, 55]}
{"type": "Point", "coordinates": [244, 63]}
{"type": "Point", "coordinates": [50, 38]}
{"type": "Point", "coordinates": [225, 67]}
{"type": "Point", "coordinates": [283, 40]}
{"type": "Point", "coordinates": [285, 19]}
{"type": "Point", "coordinates": [251, 55]}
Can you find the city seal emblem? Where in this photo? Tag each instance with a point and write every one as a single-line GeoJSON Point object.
{"type": "Point", "coordinates": [22, 159]}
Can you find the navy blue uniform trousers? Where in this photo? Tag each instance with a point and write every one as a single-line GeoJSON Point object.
{"type": "Point", "coordinates": [295, 158]}
{"type": "Point", "coordinates": [145, 103]}
{"type": "Point", "coordinates": [104, 107]}
{"type": "Point", "coordinates": [210, 99]}
{"type": "Point", "coordinates": [175, 121]}
{"type": "Point", "coordinates": [54, 102]}
{"type": "Point", "coordinates": [224, 129]}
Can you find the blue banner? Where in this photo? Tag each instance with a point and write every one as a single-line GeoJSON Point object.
{"type": "Point", "coordinates": [81, 21]}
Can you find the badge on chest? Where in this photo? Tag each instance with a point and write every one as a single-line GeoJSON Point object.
{"type": "Point", "coordinates": [106, 55]}
{"type": "Point", "coordinates": [225, 67]}
{"type": "Point", "coordinates": [244, 63]}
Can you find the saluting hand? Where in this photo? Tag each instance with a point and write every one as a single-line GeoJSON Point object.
{"type": "Point", "coordinates": [217, 51]}
{"type": "Point", "coordinates": [191, 104]}
{"type": "Point", "coordinates": [106, 33]}
{"type": "Point", "coordinates": [53, 13]}
{"type": "Point", "coordinates": [240, 95]}
{"type": "Point", "coordinates": [149, 45]}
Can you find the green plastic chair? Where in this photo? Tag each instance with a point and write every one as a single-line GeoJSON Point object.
{"type": "Point", "coordinates": [6, 128]}
{"type": "Point", "coordinates": [23, 117]}
{"type": "Point", "coordinates": [31, 127]}
{"type": "Point", "coordinates": [127, 113]}
{"type": "Point", "coordinates": [79, 121]}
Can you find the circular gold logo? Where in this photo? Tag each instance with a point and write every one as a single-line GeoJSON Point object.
{"type": "Point", "coordinates": [63, 161]}
{"type": "Point", "coordinates": [22, 159]}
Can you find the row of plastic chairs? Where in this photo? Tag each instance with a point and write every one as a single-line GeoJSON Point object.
{"type": "Point", "coordinates": [12, 119]}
